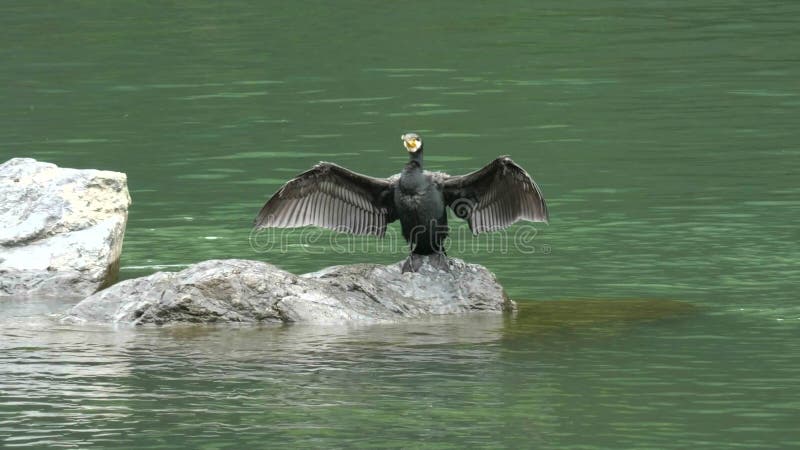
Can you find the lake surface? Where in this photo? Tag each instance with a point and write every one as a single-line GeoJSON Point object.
{"type": "Point", "coordinates": [658, 309]}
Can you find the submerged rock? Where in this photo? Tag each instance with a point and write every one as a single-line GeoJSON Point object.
{"type": "Point", "coordinates": [252, 291]}
{"type": "Point", "coordinates": [61, 230]}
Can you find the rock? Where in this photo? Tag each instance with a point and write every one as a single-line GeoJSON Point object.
{"type": "Point", "coordinates": [237, 290]}
{"type": "Point", "coordinates": [61, 229]}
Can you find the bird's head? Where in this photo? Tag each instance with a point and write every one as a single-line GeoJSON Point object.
{"type": "Point", "coordinates": [412, 142]}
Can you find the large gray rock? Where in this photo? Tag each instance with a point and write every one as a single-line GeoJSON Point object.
{"type": "Point", "coordinates": [61, 229]}
{"type": "Point", "coordinates": [252, 291]}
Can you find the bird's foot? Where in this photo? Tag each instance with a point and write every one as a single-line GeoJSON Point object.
{"type": "Point", "coordinates": [413, 263]}
{"type": "Point", "coordinates": [439, 261]}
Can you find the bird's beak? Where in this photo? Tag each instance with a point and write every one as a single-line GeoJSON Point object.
{"type": "Point", "coordinates": [412, 145]}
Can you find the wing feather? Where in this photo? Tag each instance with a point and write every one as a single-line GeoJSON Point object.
{"type": "Point", "coordinates": [285, 210]}
{"type": "Point", "coordinates": [316, 203]}
{"type": "Point", "coordinates": [333, 197]}
{"type": "Point", "coordinates": [326, 211]}
{"type": "Point", "coordinates": [501, 193]}
{"type": "Point", "coordinates": [296, 216]}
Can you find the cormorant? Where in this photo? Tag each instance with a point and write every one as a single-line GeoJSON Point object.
{"type": "Point", "coordinates": [331, 196]}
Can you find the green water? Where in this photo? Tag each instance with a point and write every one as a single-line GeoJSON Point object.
{"type": "Point", "coordinates": [657, 310]}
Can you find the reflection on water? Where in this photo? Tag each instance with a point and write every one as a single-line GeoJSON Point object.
{"type": "Point", "coordinates": [122, 386]}
{"type": "Point", "coordinates": [590, 318]}
{"type": "Point", "coordinates": [656, 368]}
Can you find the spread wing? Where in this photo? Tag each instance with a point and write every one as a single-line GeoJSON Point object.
{"type": "Point", "coordinates": [496, 196]}
{"type": "Point", "coordinates": [333, 197]}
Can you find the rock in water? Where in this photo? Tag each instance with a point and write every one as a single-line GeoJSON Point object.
{"type": "Point", "coordinates": [61, 229]}
{"type": "Point", "coordinates": [252, 291]}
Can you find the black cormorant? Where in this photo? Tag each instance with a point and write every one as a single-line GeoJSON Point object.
{"type": "Point", "coordinates": [330, 196]}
